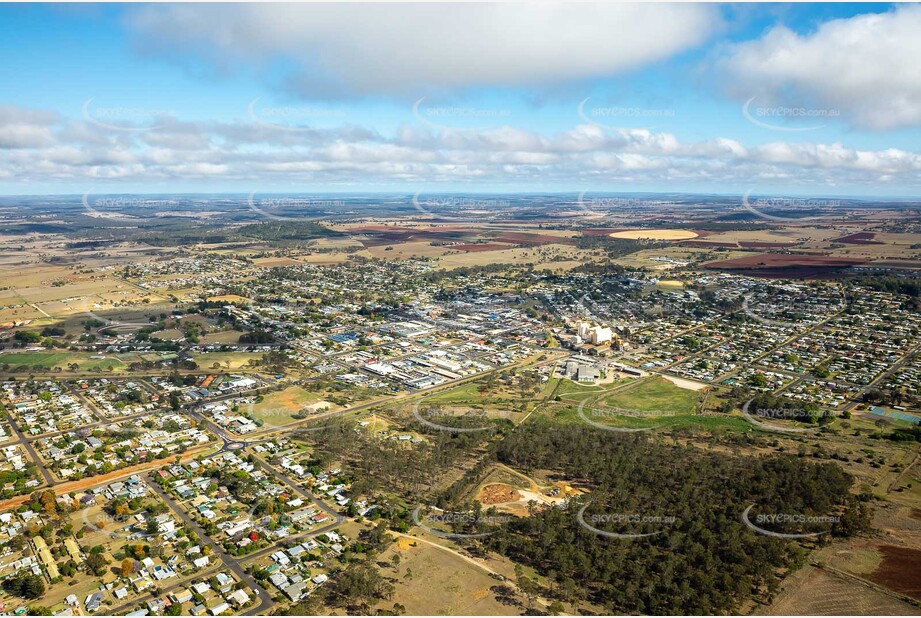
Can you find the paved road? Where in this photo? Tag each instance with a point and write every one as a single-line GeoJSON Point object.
{"type": "Point", "coordinates": [26, 444]}
{"type": "Point", "coordinates": [300, 489]}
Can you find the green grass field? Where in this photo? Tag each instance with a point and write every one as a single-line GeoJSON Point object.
{"type": "Point", "coordinates": [569, 414]}
{"type": "Point", "coordinates": [49, 360]}
{"type": "Point", "coordinates": [684, 421]}
{"type": "Point", "coordinates": [655, 394]}
{"type": "Point", "coordinates": [467, 393]}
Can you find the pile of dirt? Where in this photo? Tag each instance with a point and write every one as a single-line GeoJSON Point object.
{"type": "Point", "coordinates": [497, 493]}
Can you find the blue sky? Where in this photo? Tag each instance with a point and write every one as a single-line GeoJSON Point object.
{"type": "Point", "coordinates": [273, 98]}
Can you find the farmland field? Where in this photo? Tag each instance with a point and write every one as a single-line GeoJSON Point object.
{"type": "Point", "coordinates": [655, 234]}
{"type": "Point", "coordinates": [816, 592]}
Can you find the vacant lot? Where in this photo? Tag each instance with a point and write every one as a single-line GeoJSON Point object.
{"type": "Point", "coordinates": [224, 336]}
{"type": "Point", "coordinates": [655, 394]}
{"type": "Point", "coordinates": [278, 408]}
{"type": "Point", "coordinates": [225, 360]}
{"type": "Point", "coordinates": [432, 581]}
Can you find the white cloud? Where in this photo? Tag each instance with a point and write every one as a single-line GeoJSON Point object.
{"type": "Point", "coordinates": [23, 128]}
{"type": "Point", "coordinates": [344, 49]}
{"type": "Point", "coordinates": [585, 155]}
{"type": "Point", "coordinates": [865, 67]}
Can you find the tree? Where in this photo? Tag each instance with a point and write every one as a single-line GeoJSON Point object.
{"type": "Point", "coordinates": [127, 567]}
{"type": "Point", "coordinates": [96, 564]}
{"type": "Point", "coordinates": [25, 586]}
{"type": "Point", "coordinates": [152, 526]}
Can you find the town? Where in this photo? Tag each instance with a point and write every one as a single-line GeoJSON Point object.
{"type": "Point", "coordinates": [467, 309]}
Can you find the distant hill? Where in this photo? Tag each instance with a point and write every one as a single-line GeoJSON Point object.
{"type": "Point", "coordinates": [287, 230]}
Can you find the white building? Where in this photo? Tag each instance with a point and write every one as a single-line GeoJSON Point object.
{"type": "Point", "coordinates": [601, 335]}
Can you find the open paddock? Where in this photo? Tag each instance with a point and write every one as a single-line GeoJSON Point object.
{"type": "Point", "coordinates": [434, 581]}
{"type": "Point", "coordinates": [814, 592]}
{"type": "Point", "coordinates": [278, 408]}
{"type": "Point", "coordinates": [654, 234]}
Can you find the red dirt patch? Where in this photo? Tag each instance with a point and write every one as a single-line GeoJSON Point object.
{"type": "Point", "coordinates": [603, 231]}
{"type": "Point", "coordinates": [498, 493]}
{"type": "Point", "coordinates": [524, 238]}
{"type": "Point", "coordinates": [380, 228]}
{"type": "Point", "coordinates": [708, 243]}
{"type": "Point", "coordinates": [859, 238]}
{"type": "Point", "coordinates": [750, 244]}
{"type": "Point", "coordinates": [785, 265]}
{"type": "Point", "coordinates": [899, 570]}
{"type": "Point", "coordinates": [395, 235]}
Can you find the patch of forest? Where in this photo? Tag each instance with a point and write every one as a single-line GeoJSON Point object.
{"type": "Point", "coordinates": [287, 230]}
{"type": "Point", "coordinates": [700, 558]}
{"type": "Point", "coordinates": [411, 471]}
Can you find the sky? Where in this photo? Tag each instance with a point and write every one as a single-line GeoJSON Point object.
{"type": "Point", "coordinates": [798, 99]}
